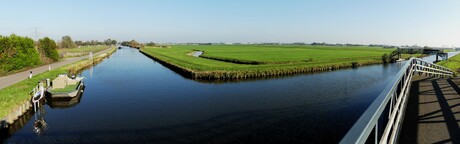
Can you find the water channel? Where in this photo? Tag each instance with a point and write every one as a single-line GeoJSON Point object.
{"type": "Point", "coordinates": [131, 98]}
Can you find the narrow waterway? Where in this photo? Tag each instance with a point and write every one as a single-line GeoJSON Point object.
{"type": "Point", "coordinates": [131, 98]}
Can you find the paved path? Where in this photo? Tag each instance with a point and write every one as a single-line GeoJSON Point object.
{"type": "Point", "coordinates": [433, 112]}
{"type": "Point", "coordinates": [8, 80]}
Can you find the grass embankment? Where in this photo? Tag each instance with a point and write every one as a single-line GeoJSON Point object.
{"type": "Point", "coordinates": [449, 50]}
{"type": "Point", "coordinates": [17, 94]}
{"type": "Point", "coordinates": [453, 63]}
{"type": "Point", "coordinates": [83, 50]}
{"type": "Point", "coordinates": [247, 61]}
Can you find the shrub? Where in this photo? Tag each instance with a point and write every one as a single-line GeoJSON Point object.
{"type": "Point", "coordinates": [67, 42]}
{"type": "Point", "coordinates": [385, 58]}
{"type": "Point", "coordinates": [16, 53]}
{"type": "Point", "coordinates": [48, 48]}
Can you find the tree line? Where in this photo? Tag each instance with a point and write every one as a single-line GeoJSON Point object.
{"type": "Point", "coordinates": [67, 42]}
{"type": "Point", "coordinates": [95, 42]}
{"type": "Point", "coordinates": [17, 52]}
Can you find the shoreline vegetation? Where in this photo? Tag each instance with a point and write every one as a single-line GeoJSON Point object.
{"type": "Point", "coordinates": [255, 61]}
{"type": "Point", "coordinates": [66, 54]}
{"type": "Point", "coordinates": [82, 51]}
{"type": "Point", "coordinates": [453, 63]}
{"type": "Point", "coordinates": [19, 53]}
{"type": "Point", "coordinates": [15, 97]}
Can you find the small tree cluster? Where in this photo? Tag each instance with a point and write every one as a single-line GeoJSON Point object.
{"type": "Point", "coordinates": [95, 42]}
{"type": "Point", "coordinates": [48, 48]}
{"type": "Point", "coordinates": [16, 53]}
{"type": "Point", "coordinates": [385, 58]}
{"type": "Point", "coordinates": [110, 42]}
{"type": "Point", "coordinates": [132, 43]}
{"type": "Point", "coordinates": [151, 44]}
{"type": "Point", "coordinates": [67, 42]}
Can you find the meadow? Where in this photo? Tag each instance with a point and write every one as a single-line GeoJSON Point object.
{"type": "Point", "coordinates": [248, 61]}
{"type": "Point", "coordinates": [452, 63]}
{"type": "Point", "coordinates": [83, 50]}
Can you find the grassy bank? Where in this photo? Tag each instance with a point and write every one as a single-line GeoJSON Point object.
{"type": "Point", "coordinates": [83, 50]}
{"type": "Point", "coordinates": [13, 96]}
{"type": "Point", "coordinates": [452, 63]}
{"type": "Point", "coordinates": [247, 61]}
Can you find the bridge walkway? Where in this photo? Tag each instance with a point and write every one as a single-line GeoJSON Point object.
{"type": "Point", "coordinates": [433, 111]}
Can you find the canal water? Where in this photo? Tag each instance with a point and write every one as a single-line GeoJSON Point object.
{"type": "Point", "coordinates": [130, 98]}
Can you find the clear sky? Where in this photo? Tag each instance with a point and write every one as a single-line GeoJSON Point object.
{"type": "Point", "coordinates": [396, 22]}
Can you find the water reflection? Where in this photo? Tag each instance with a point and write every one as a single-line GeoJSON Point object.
{"type": "Point", "coordinates": [38, 122]}
{"type": "Point", "coordinates": [197, 53]}
{"type": "Point", "coordinates": [63, 103]}
{"type": "Point", "coordinates": [40, 125]}
{"type": "Point", "coordinates": [130, 98]}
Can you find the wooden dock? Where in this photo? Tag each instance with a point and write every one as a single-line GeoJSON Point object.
{"type": "Point", "coordinates": [433, 111]}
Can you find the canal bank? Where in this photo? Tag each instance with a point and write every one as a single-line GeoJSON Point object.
{"type": "Point", "coordinates": [249, 73]}
{"type": "Point", "coordinates": [16, 99]}
{"type": "Point", "coordinates": [132, 98]}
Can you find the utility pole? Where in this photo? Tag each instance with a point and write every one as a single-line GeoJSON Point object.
{"type": "Point", "coordinates": [35, 32]}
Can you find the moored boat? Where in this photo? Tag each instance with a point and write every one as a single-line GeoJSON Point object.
{"type": "Point", "coordinates": [62, 103]}
{"type": "Point", "coordinates": [65, 87]}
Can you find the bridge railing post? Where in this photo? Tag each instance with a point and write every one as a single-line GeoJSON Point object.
{"type": "Point", "coordinates": [393, 98]}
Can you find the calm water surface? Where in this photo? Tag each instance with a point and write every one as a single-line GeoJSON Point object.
{"type": "Point", "coordinates": [130, 98]}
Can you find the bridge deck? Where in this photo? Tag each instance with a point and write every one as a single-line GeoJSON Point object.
{"type": "Point", "coordinates": [433, 111]}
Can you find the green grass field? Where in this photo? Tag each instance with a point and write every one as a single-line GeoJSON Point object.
{"type": "Point", "coordinates": [449, 50]}
{"type": "Point", "coordinates": [452, 63]}
{"type": "Point", "coordinates": [68, 88]}
{"type": "Point", "coordinates": [244, 61]}
{"type": "Point", "coordinates": [93, 49]}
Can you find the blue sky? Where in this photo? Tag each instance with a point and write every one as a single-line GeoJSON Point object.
{"type": "Point", "coordinates": [396, 22]}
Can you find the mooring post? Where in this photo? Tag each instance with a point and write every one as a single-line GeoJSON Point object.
{"type": "Point", "coordinates": [48, 83]}
{"type": "Point", "coordinates": [3, 124]}
{"type": "Point", "coordinates": [91, 55]}
{"type": "Point", "coordinates": [437, 54]}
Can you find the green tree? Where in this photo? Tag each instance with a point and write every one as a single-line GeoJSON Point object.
{"type": "Point", "coordinates": [94, 42]}
{"type": "Point", "coordinates": [79, 43]}
{"type": "Point", "coordinates": [114, 42]}
{"type": "Point", "coordinates": [48, 48]}
{"type": "Point", "coordinates": [125, 43]}
{"type": "Point", "coordinates": [151, 44]}
{"type": "Point", "coordinates": [108, 42]}
{"type": "Point", "coordinates": [67, 42]}
{"type": "Point", "coordinates": [16, 53]}
{"type": "Point", "coordinates": [134, 44]}
{"type": "Point", "coordinates": [385, 58]}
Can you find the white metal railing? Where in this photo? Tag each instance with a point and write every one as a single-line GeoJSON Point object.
{"type": "Point", "coordinates": [38, 93]}
{"type": "Point", "coordinates": [387, 110]}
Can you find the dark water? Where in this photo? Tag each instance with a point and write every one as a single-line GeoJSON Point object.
{"type": "Point", "coordinates": [130, 98]}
